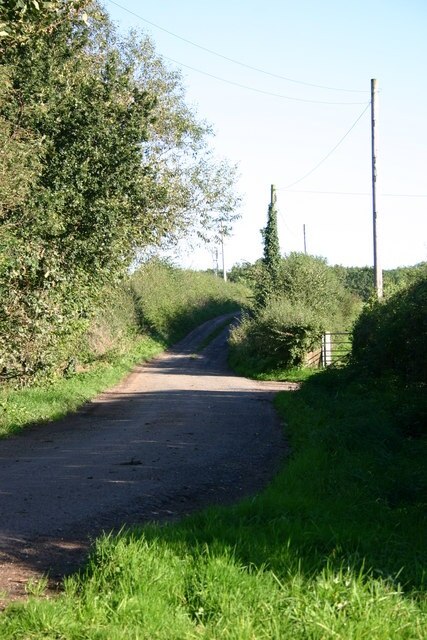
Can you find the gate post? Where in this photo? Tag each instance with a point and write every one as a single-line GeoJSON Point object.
{"type": "Point", "coordinates": [326, 349]}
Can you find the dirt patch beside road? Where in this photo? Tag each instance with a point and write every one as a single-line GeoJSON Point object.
{"type": "Point", "coordinates": [178, 434]}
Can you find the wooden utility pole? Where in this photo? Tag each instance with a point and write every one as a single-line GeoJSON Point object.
{"type": "Point", "coordinates": [378, 273]}
{"type": "Point", "coordinates": [216, 261]}
{"type": "Point", "coordinates": [273, 198]}
{"type": "Point", "coordinates": [224, 271]}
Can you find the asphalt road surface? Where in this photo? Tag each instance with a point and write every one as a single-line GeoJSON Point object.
{"type": "Point", "coordinates": [179, 433]}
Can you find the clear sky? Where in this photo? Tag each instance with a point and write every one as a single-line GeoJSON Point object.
{"type": "Point", "coordinates": [278, 140]}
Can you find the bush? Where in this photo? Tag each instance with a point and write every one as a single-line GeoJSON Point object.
{"type": "Point", "coordinates": [280, 335]}
{"type": "Point", "coordinates": [171, 301]}
{"type": "Point", "coordinates": [390, 337]}
{"type": "Point", "coordinates": [309, 300]}
{"type": "Point", "coordinates": [309, 281]}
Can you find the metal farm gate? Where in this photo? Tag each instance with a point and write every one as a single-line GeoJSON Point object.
{"type": "Point", "coordinates": [335, 347]}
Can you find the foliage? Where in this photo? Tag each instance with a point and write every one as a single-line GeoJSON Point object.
{"type": "Point", "coordinates": [170, 301]}
{"type": "Point", "coordinates": [335, 547]}
{"type": "Point", "coordinates": [308, 280]}
{"type": "Point", "coordinates": [267, 284]}
{"type": "Point", "coordinates": [360, 280]}
{"type": "Point", "coordinates": [402, 277]}
{"type": "Point", "coordinates": [309, 300]}
{"type": "Point", "coordinates": [280, 335]}
{"type": "Point", "coordinates": [19, 160]}
{"type": "Point", "coordinates": [102, 157]}
{"type": "Point", "coordinates": [391, 336]}
{"type": "Point", "coordinates": [23, 20]}
{"type": "Point", "coordinates": [246, 273]}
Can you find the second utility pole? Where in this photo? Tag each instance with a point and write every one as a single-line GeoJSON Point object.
{"type": "Point", "coordinates": [224, 270]}
{"type": "Point", "coordinates": [378, 273]}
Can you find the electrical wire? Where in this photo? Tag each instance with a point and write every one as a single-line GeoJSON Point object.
{"type": "Point", "coordinates": [328, 154]}
{"type": "Point", "coordinates": [238, 62]}
{"type": "Point", "coordinates": [267, 93]}
{"type": "Point", "coordinates": [282, 218]}
{"type": "Point", "coordinates": [358, 193]}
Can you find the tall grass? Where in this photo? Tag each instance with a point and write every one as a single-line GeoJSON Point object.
{"type": "Point", "coordinates": [335, 547]}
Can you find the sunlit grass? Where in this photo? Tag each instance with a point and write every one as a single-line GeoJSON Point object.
{"type": "Point", "coordinates": [56, 398]}
{"type": "Point", "coordinates": [214, 334]}
{"type": "Point", "coordinates": [335, 547]}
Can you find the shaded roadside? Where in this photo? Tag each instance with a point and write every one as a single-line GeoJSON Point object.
{"type": "Point", "coordinates": [177, 434]}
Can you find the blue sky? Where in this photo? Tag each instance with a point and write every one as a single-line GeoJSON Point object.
{"type": "Point", "coordinates": [278, 140]}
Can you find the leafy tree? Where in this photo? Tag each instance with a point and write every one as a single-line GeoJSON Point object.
{"type": "Point", "coordinates": [197, 190]}
{"type": "Point", "coordinates": [107, 157]}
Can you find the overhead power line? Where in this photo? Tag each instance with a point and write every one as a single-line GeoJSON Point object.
{"type": "Point", "coordinates": [358, 193]}
{"type": "Point", "coordinates": [328, 154]}
{"type": "Point", "coordinates": [267, 93]}
{"type": "Point", "coordinates": [238, 62]}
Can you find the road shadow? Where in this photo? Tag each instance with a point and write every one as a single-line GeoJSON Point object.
{"type": "Point", "coordinates": [128, 460]}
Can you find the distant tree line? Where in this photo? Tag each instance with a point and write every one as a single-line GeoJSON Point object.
{"type": "Point", "coordinates": [357, 280]}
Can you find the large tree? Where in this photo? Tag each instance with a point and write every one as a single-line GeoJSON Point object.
{"type": "Point", "coordinates": [108, 159]}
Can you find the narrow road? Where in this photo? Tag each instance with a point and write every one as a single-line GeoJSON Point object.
{"type": "Point", "coordinates": [177, 434]}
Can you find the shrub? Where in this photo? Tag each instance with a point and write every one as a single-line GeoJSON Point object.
{"type": "Point", "coordinates": [390, 337]}
{"type": "Point", "coordinates": [171, 301]}
{"type": "Point", "coordinates": [309, 281]}
{"type": "Point", "coordinates": [279, 335]}
{"type": "Point", "coordinates": [309, 300]}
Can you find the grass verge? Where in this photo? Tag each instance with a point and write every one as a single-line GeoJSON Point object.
{"type": "Point", "coordinates": [158, 305]}
{"type": "Point", "coordinates": [263, 369]}
{"type": "Point", "coordinates": [335, 547]}
{"type": "Point", "coordinates": [54, 399]}
{"type": "Point", "coordinates": [214, 334]}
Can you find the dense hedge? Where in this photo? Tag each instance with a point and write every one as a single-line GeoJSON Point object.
{"type": "Point", "coordinates": [309, 299]}
{"type": "Point", "coordinates": [390, 337]}
{"type": "Point", "coordinates": [170, 302]}
{"type": "Point", "coordinates": [278, 336]}
{"type": "Point", "coordinates": [158, 300]}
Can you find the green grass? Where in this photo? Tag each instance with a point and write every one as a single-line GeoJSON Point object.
{"type": "Point", "coordinates": [335, 547]}
{"type": "Point", "coordinates": [264, 370]}
{"type": "Point", "coordinates": [151, 310]}
{"type": "Point", "coordinates": [214, 334]}
{"type": "Point", "coordinates": [53, 400]}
